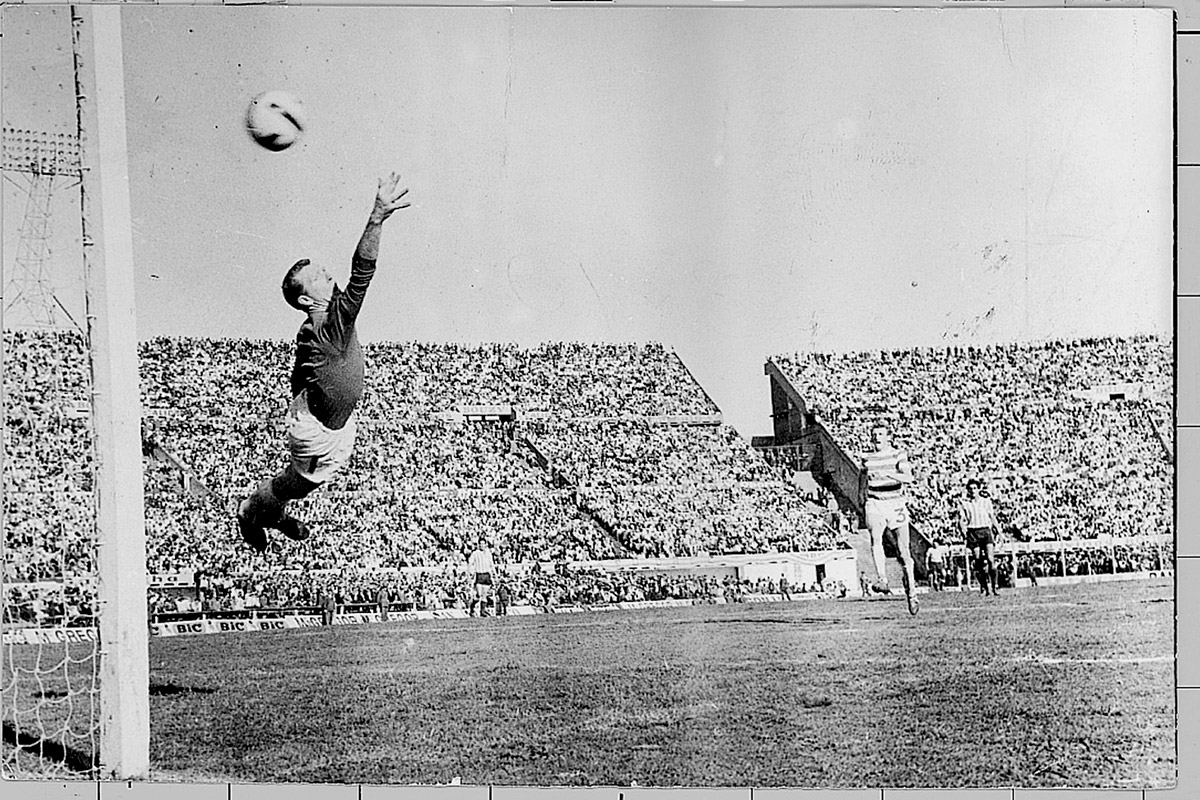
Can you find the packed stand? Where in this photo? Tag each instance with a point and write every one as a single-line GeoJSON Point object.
{"type": "Point", "coordinates": [993, 375]}
{"type": "Point", "coordinates": [47, 465]}
{"type": "Point", "coordinates": [247, 379]}
{"type": "Point", "coordinates": [1057, 464]}
{"type": "Point", "coordinates": [1071, 470]}
{"type": "Point", "coordinates": [639, 452]}
{"type": "Point", "coordinates": [418, 489]}
{"type": "Point", "coordinates": [409, 456]}
{"type": "Point", "coordinates": [534, 487]}
{"type": "Point", "coordinates": [694, 520]}
{"type": "Point", "coordinates": [680, 490]}
{"type": "Point", "coordinates": [384, 529]}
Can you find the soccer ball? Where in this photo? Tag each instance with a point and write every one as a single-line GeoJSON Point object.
{"type": "Point", "coordinates": [275, 120]}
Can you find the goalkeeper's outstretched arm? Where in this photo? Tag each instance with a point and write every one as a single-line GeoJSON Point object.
{"type": "Point", "coordinates": [388, 200]}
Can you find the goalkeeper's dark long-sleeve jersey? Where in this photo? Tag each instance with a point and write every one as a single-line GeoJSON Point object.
{"type": "Point", "coordinates": [329, 359]}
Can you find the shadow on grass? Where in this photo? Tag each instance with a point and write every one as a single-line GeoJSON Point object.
{"type": "Point", "coordinates": [170, 689]}
{"type": "Point", "coordinates": [792, 621]}
{"type": "Point", "coordinates": [156, 690]}
{"type": "Point", "coordinates": [76, 761]}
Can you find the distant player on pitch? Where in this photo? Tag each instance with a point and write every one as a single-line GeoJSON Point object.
{"type": "Point", "coordinates": [481, 565]}
{"type": "Point", "coordinates": [888, 473]}
{"type": "Point", "coordinates": [979, 525]}
{"type": "Point", "coordinates": [327, 379]}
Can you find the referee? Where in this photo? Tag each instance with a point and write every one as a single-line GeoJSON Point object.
{"type": "Point", "coordinates": [980, 528]}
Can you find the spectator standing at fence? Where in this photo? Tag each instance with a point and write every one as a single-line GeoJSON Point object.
{"type": "Point", "coordinates": [977, 520]}
{"type": "Point", "coordinates": [339, 599]}
{"type": "Point", "coordinates": [935, 566]}
{"type": "Point", "coordinates": [383, 598]}
{"type": "Point", "coordinates": [326, 382]}
{"type": "Point", "coordinates": [888, 473]}
{"type": "Point", "coordinates": [503, 597]}
{"type": "Point", "coordinates": [328, 607]}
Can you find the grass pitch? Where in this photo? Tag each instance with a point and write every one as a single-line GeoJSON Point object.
{"type": "Point", "coordinates": [1051, 687]}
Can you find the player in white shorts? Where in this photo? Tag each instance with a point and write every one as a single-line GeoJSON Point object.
{"type": "Point", "coordinates": [327, 379]}
{"type": "Point", "coordinates": [317, 452]}
{"type": "Point", "coordinates": [980, 527]}
{"type": "Point", "coordinates": [482, 567]}
{"type": "Point", "coordinates": [888, 473]}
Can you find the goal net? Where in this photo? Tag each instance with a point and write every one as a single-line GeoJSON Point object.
{"type": "Point", "coordinates": [50, 652]}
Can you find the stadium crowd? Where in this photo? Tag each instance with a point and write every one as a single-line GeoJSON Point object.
{"type": "Point", "coordinates": [638, 452]}
{"type": "Point", "coordinates": [378, 528]}
{"type": "Point", "coordinates": [418, 488]}
{"type": "Point", "coordinates": [614, 453]}
{"type": "Point", "coordinates": [1146, 557]}
{"type": "Point", "coordinates": [1072, 470]}
{"type": "Point", "coordinates": [1058, 462]}
{"type": "Point", "coordinates": [248, 379]}
{"type": "Point", "coordinates": [992, 376]}
{"type": "Point", "coordinates": [542, 586]}
{"type": "Point", "coordinates": [47, 466]}
{"type": "Point", "coordinates": [434, 455]}
{"type": "Point", "coordinates": [690, 519]}
{"type": "Point", "coordinates": [66, 604]}
{"type": "Point", "coordinates": [1118, 559]}
{"type": "Point", "coordinates": [47, 535]}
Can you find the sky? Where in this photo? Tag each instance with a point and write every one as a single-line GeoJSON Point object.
{"type": "Point", "coordinates": [735, 183]}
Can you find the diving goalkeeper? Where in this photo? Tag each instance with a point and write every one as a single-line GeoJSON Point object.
{"type": "Point", "coordinates": [327, 379]}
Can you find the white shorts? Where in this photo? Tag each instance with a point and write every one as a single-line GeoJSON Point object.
{"type": "Point", "coordinates": [883, 514]}
{"type": "Point", "coordinates": [317, 452]}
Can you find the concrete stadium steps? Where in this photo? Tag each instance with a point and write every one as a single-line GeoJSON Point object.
{"type": "Point", "coordinates": [587, 515]}
{"type": "Point", "coordinates": [541, 463]}
{"type": "Point", "coordinates": [159, 453]}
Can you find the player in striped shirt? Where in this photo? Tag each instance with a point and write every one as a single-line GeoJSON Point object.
{"type": "Point", "coordinates": [979, 526]}
{"type": "Point", "coordinates": [481, 565]}
{"type": "Point", "coordinates": [888, 473]}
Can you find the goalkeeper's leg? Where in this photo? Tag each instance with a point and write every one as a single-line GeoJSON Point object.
{"type": "Point", "coordinates": [267, 508]}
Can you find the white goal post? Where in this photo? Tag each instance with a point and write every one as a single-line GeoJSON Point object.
{"type": "Point", "coordinates": [116, 404]}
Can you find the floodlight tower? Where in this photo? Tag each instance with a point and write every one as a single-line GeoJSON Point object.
{"type": "Point", "coordinates": [39, 163]}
